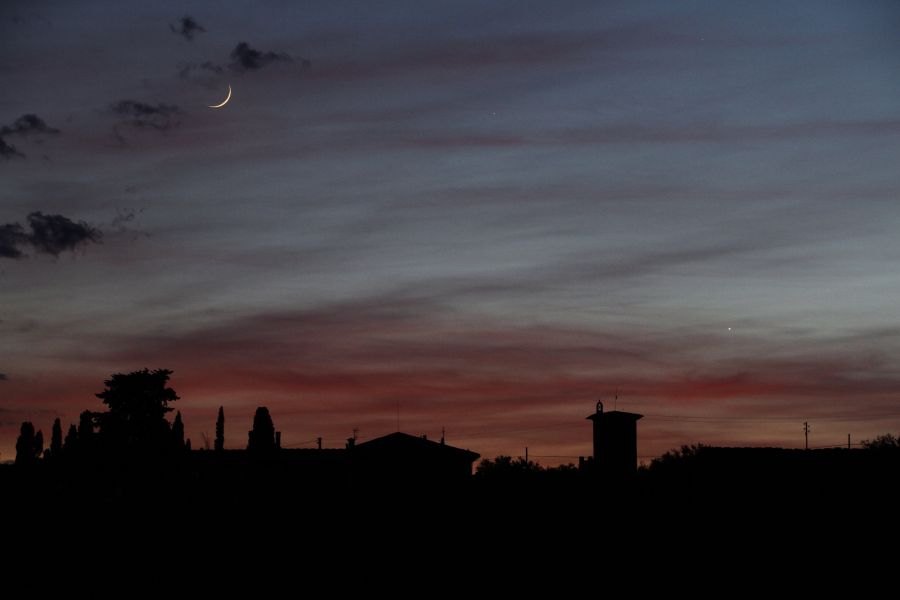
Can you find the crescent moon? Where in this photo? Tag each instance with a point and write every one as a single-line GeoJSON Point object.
{"type": "Point", "coordinates": [224, 102]}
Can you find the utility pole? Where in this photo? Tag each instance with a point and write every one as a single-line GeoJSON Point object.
{"type": "Point", "coordinates": [526, 455]}
{"type": "Point", "coordinates": [848, 441]}
{"type": "Point", "coordinates": [319, 443]}
{"type": "Point", "coordinates": [806, 433]}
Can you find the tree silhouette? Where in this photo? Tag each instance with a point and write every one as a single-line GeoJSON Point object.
{"type": "Point", "coordinates": [38, 443]}
{"type": "Point", "coordinates": [85, 426]}
{"type": "Point", "coordinates": [86, 432]}
{"type": "Point", "coordinates": [885, 441]}
{"type": "Point", "coordinates": [262, 436]}
{"type": "Point", "coordinates": [138, 402]}
{"type": "Point", "coordinates": [220, 430]}
{"type": "Point", "coordinates": [71, 440]}
{"type": "Point", "coordinates": [27, 451]}
{"type": "Point", "coordinates": [506, 466]}
{"type": "Point", "coordinates": [56, 439]}
{"type": "Point", "coordinates": [178, 432]}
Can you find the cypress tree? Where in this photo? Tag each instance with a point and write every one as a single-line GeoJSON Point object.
{"type": "Point", "coordinates": [220, 430]}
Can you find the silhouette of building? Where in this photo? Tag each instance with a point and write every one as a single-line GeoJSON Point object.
{"type": "Point", "coordinates": [394, 461]}
{"type": "Point", "coordinates": [615, 442]}
{"type": "Point", "coordinates": [403, 459]}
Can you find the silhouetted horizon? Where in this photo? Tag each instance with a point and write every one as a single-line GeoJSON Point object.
{"type": "Point", "coordinates": [134, 430]}
{"type": "Point", "coordinates": [157, 378]}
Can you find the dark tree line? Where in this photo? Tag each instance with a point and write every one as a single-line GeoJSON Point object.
{"type": "Point", "coordinates": [30, 445]}
{"type": "Point", "coordinates": [134, 424]}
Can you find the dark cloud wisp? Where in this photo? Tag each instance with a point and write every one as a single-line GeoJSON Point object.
{"type": "Point", "coordinates": [242, 58]}
{"type": "Point", "coordinates": [28, 124]}
{"type": "Point", "coordinates": [50, 234]}
{"type": "Point", "coordinates": [24, 125]}
{"type": "Point", "coordinates": [11, 237]}
{"type": "Point", "coordinates": [8, 150]}
{"type": "Point", "coordinates": [53, 234]}
{"type": "Point", "coordinates": [187, 28]}
{"type": "Point", "coordinates": [159, 116]}
{"type": "Point", "coordinates": [246, 58]}
{"type": "Point", "coordinates": [4, 377]}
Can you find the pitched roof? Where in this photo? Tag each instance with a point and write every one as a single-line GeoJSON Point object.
{"type": "Point", "coordinates": [399, 441]}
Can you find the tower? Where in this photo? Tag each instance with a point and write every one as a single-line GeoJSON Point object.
{"type": "Point", "coordinates": [615, 442]}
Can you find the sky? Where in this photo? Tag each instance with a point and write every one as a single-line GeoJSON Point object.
{"type": "Point", "coordinates": [477, 216]}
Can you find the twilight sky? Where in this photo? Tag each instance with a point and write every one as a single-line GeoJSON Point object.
{"type": "Point", "coordinates": [488, 213]}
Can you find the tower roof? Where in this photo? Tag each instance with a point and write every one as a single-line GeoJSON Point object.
{"type": "Point", "coordinates": [616, 415]}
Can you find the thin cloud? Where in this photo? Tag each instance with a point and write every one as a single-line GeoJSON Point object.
{"type": "Point", "coordinates": [8, 151]}
{"type": "Point", "coordinates": [123, 223]}
{"type": "Point", "coordinates": [4, 377]}
{"type": "Point", "coordinates": [11, 236]}
{"type": "Point", "coordinates": [160, 117]}
{"type": "Point", "coordinates": [187, 28]}
{"type": "Point", "coordinates": [242, 58]}
{"type": "Point", "coordinates": [207, 74]}
{"type": "Point", "coordinates": [25, 125]}
{"type": "Point", "coordinates": [246, 58]}
{"type": "Point", "coordinates": [187, 70]}
{"type": "Point", "coordinates": [28, 124]}
{"type": "Point", "coordinates": [124, 218]}
{"type": "Point", "coordinates": [50, 234]}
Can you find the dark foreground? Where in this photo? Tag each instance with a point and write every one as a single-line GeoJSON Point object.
{"type": "Point", "coordinates": [683, 528]}
{"type": "Point", "coordinates": [716, 489]}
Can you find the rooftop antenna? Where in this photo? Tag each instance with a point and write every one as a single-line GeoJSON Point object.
{"type": "Point", "coordinates": [616, 400]}
{"type": "Point", "coordinates": [355, 431]}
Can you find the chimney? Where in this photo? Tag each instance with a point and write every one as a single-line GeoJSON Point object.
{"type": "Point", "coordinates": [350, 443]}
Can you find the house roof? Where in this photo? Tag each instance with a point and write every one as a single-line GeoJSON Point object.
{"type": "Point", "coordinates": [399, 441]}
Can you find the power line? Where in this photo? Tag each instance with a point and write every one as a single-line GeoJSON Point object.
{"type": "Point", "coordinates": [553, 456]}
{"type": "Point", "coordinates": [294, 444]}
